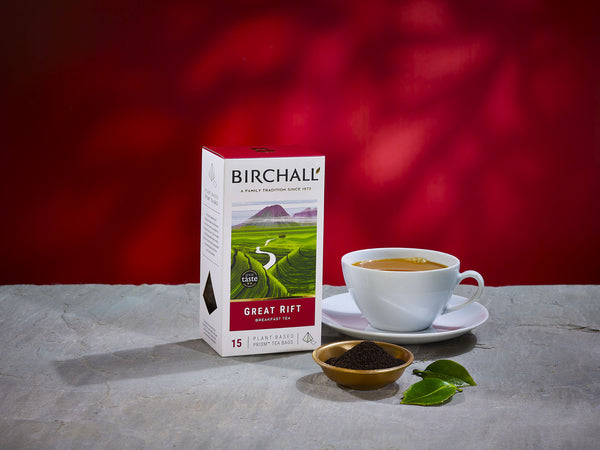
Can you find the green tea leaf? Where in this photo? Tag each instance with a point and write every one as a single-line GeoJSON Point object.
{"type": "Point", "coordinates": [449, 371]}
{"type": "Point", "coordinates": [431, 391]}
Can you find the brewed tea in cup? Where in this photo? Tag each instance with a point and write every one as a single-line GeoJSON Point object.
{"type": "Point", "coordinates": [405, 289]}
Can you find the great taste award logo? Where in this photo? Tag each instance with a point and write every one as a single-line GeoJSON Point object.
{"type": "Point", "coordinates": [249, 278]}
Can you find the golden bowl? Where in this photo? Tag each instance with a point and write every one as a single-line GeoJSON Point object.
{"type": "Point", "coordinates": [361, 379]}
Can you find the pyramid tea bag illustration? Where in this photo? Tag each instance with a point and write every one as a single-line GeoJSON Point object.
{"type": "Point", "coordinates": [308, 338]}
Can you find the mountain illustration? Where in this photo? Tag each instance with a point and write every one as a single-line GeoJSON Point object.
{"type": "Point", "coordinates": [308, 212]}
{"type": "Point", "coordinates": [269, 217]}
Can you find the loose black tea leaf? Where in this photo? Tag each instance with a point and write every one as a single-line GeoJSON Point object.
{"type": "Point", "coordinates": [366, 355]}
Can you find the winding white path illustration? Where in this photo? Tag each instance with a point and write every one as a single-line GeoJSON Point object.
{"type": "Point", "coordinates": [272, 258]}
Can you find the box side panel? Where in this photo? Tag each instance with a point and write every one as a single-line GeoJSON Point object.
{"type": "Point", "coordinates": [212, 296]}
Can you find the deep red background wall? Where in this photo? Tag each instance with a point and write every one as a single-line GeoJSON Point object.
{"type": "Point", "coordinates": [470, 127]}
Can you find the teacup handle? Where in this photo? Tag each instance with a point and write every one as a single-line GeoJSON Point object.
{"type": "Point", "coordinates": [461, 276]}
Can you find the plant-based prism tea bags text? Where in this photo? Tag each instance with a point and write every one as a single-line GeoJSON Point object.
{"type": "Point", "coordinates": [261, 249]}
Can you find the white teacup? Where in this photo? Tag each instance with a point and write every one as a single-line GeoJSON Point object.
{"type": "Point", "coordinates": [405, 301]}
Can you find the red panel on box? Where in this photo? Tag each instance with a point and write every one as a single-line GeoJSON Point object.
{"type": "Point", "coordinates": [276, 313]}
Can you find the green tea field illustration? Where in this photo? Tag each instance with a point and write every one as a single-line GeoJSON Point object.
{"type": "Point", "coordinates": [280, 249]}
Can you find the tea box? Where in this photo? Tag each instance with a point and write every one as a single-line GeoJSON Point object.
{"type": "Point", "coordinates": [261, 249]}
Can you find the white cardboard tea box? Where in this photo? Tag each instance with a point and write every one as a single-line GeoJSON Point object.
{"type": "Point", "coordinates": [261, 249]}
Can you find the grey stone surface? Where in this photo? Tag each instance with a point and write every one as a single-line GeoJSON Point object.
{"type": "Point", "coordinates": [96, 366]}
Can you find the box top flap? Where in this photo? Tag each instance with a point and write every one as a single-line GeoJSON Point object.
{"type": "Point", "coordinates": [272, 151]}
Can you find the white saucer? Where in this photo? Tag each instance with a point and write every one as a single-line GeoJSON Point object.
{"type": "Point", "coordinates": [341, 313]}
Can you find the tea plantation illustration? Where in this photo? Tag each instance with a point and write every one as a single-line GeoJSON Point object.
{"type": "Point", "coordinates": [280, 249]}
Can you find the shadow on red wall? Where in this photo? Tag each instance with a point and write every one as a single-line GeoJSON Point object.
{"type": "Point", "coordinates": [471, 128]}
